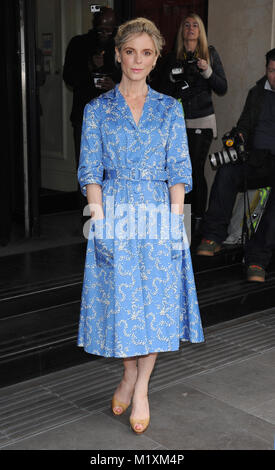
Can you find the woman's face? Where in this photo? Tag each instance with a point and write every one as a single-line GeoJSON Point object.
{"type": "Point", "coordinates": [191, 29]}
{"type": "Point", "coordinates": [137, 57]}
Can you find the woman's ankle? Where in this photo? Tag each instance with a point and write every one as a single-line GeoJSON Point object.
{"type": "Point", "coordinates": [130, 375]}
{"type": "Point", "coordinates": [141, 390]}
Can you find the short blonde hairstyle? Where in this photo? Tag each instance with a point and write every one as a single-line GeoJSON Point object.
{"type": "Point", "coordinates": [139, 26]}
{"type": "Point", "coordinates": [202, 41]}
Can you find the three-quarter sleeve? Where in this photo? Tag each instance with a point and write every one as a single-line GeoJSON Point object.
{"type": "Point", "coordinates": [90, 168]}
{"type": "Point", "coordinates": [178, 163]}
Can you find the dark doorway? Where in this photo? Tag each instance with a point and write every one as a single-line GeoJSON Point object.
{"type": "Point", "coordinates": [32, 212]}
{"type": "Point", "coordinates": [167, 14]}
{"type": "Point", "coordinates": [11, 188]}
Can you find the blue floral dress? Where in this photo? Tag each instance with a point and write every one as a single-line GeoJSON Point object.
{"type": "Point", "coordinates": [138, 293]}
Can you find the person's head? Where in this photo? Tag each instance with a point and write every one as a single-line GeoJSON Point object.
{"type": "Point", "coordinates": [270, 67]}
{"type": "Point", "coordinates": [138, 45]}
{"type": "Point", "coordinates": [192, 29]}
{"type": "Point", "coordinates": [104, 23]}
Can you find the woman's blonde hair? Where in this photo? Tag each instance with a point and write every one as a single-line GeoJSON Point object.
{"type": "Point", "coordinates": [203, 52]}
{"type": "Point", "coordinates": [139, 26]}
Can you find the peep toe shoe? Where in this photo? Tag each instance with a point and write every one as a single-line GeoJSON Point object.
{"type": "Point", "coordinates": [143, 422]}
{"type": "Point", "coordinates": [118, 404]}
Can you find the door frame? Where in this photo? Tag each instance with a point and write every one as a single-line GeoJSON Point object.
{"type": "Point", "coordinates": [30, 121]}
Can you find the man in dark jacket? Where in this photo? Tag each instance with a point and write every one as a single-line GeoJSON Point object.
{"type": "Point", "coordinates": [87, 55]}
{"type": "Point", "coordinates": [257, 127]}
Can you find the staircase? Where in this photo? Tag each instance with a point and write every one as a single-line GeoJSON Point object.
{"type": "Point", "coordinates": [40, 302]}
{"type": "Point", "coordinates": [39, 310]}
{"type": "Point", "coordinates": [223, 291]}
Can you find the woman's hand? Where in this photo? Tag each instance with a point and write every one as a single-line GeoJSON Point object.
{"type": "Point", "coordinates": [202, 64]}
{"type": "Point", "coordinates": [94, 197]}
{"type": "Point", "coordinates": [177, 193]}
{"type": "Point", "coordinates": [95, 217]}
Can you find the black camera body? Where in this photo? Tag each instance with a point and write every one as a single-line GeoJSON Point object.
{"type": "Point", "coordinates": [234, 150]}
{"type": "Point", "coordinates": [191, 64]}
{"type": "Point", "coordinates": [184, 74]}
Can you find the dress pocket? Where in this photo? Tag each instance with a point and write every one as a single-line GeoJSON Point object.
{"type": "Point", "coordinates": [104, 247]}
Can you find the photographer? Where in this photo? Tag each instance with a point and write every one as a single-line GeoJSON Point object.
{"type": "Point", "coordinates": [190, 74]}
{"type": "Point", "coordinates": [89, 67]}
{"type": "Point", "coordinates": [256, 126]}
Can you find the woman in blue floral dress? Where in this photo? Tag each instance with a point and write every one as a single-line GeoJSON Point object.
{"type": "Point", "coordinates": [139, 296]}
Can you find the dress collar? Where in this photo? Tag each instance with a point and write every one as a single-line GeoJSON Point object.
{"type": "Point", "coordinates": [119, 103]}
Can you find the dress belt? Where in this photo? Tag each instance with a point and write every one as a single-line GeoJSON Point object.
{"type": "Point", "coordinates": [135, 174]}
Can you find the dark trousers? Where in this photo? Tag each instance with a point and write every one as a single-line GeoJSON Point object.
{"type": "Point", "coordinates": [199, 141]}
{"type": "Point", "coordinates": [229, 180]}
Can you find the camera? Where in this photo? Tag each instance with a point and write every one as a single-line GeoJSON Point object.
{"type": "Point", "coordinates": [233, 150]}
{"type": "Point", "coordinates": [98, 77]}
{"type": "Point", "coordinates": [184, 74]}
{"type": "Point", "coordinates": [191, 64]}
{"type": "Point", "coordinates": [95, 8]}
{"type": "Point", "coordinates": [177, 76]}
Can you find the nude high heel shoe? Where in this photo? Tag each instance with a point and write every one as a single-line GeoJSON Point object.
{"type": "Point", "coordinates": [143, 422]}
{"type": "Point", "coordinates": [118, 404]}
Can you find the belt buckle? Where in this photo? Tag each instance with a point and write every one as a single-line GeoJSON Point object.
{"type": "Point", "coordinates": [145, 173]}
{"type": "Point", "coordinates": [134, 174]}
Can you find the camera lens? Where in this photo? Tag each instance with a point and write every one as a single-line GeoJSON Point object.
{"type": "Point", "coordinates": [218, 159]}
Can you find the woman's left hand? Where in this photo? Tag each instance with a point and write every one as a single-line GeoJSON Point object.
{"type": "Point", "coordinates": [202, 64]}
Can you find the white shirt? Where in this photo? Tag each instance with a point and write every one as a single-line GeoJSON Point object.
{"type": "Point", "coordinates": [267, 86]}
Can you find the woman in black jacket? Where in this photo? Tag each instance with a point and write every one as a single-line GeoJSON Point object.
{"type": "Point", "coordinates": [190, 73]}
